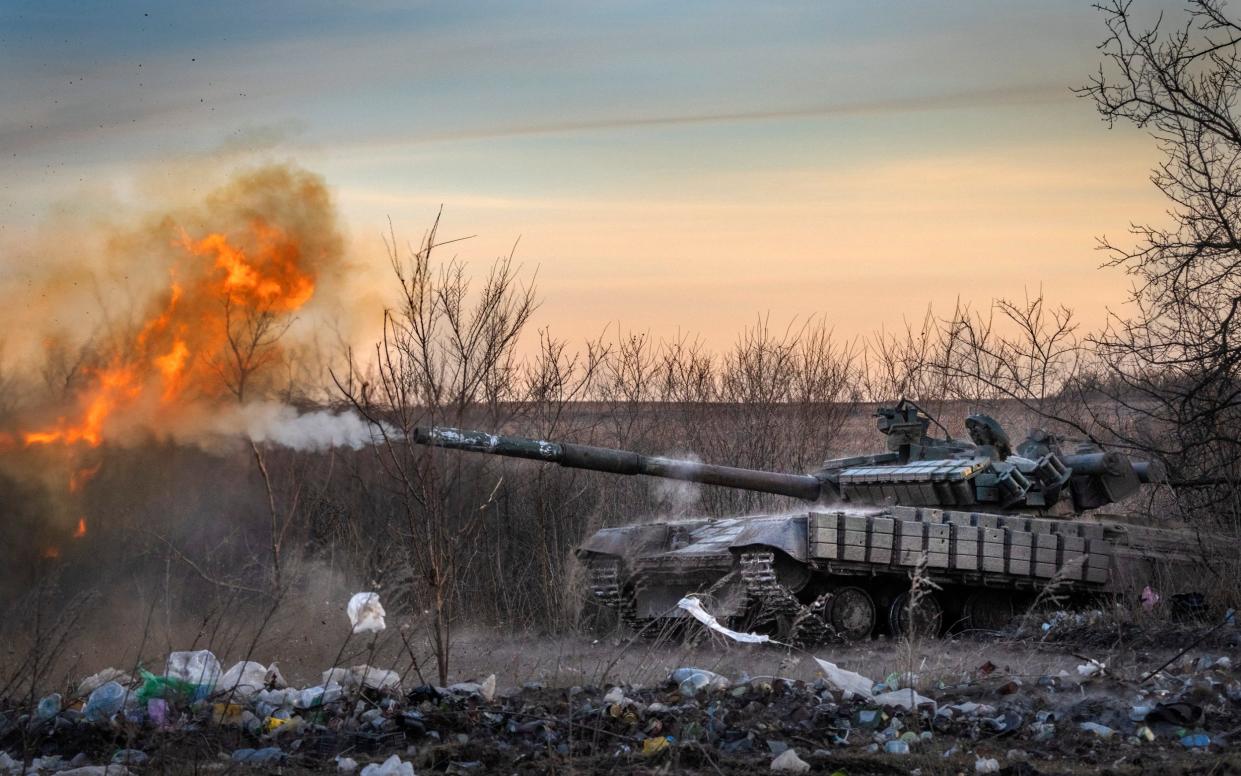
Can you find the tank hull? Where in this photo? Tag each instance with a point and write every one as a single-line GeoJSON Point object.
{"type": "Point", "coordinates": [785, 571]}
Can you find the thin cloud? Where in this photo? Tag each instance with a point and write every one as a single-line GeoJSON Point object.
{"type": "Point", "coordinates": [993, 97]}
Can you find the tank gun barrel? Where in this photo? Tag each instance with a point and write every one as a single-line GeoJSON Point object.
{"type": "Point", "coordinates": [627, 462]}
{"type": "Point", "coordinates": [1113, 463]}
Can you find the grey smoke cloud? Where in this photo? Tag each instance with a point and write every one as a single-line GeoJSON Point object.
{"type": "Point", "coordinates": [282, 425]}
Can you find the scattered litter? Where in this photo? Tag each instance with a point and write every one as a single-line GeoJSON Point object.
{"type": "Point", "coordinates": [363, 676]}
{"type": "Point", "coordinates": [274, 678]}
{"type": "Point", "coordinates": [366, 614]}
{"type": "Point", "coordinates": [372, 678]}
{"type": "Point", "coordinates": [165, 687]}
{"type": "Point", "coordinates": [1196, 741]}
{"type": "Point", "coordinates": [789, 762]}
{"type": "Point", "coordinates": [244, 679]}
{"type": "Point", "coordinates": [199, 670]}
{"type": "Point", "coordinates": [846, 681]}
{"type": "Point", "coordinates": [95, 681]}
{"type": "Point", "coordinates": [691, 680]}
{"type": "Point", "coordinates": [130, 757]}
{"type": "Point", "coordinates": [361, 713]}
{"type": "Point", "coordinates": [106, 700]}
{"type": "Point", "coordinates": [393, 766]}
{"type": "Point", "coordinates": [157, 712]}
{"type": "Point", "coordinates": [905, 699]}
{"type": "Point", "coordinates": [227, 713]}
{"type": "Point", "coordinates": [653, 746]}
{"type": "Point", "coordinates": [48, 707]}
{"type": "Point", "coordinates": [694, 607]}
{"type": "Point", "coordinates": [1102, 731]}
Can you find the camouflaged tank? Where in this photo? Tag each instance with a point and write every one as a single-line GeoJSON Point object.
{"type": "Point", "coordinates": [990, 525]}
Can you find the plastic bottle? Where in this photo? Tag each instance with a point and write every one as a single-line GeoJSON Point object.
{"type": "Point", "coordinates": [48, 707]}
{"type": "Point", "coordinates": [157, 712]}
{"type": "Point", "coordinates": [104, 702]}
{"type": "Point", "coordinates": [1196, 740]}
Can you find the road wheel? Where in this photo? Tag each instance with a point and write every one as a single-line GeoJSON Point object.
{"type": "Point", "coordinates": [851, 613]}
{"type": "Point", "coordinates": [927, 617]}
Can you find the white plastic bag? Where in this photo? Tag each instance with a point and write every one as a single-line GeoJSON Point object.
{"type": "Point", "coordinates": [366, 613]}
{"type": "Point", "coordinates": [694, 607]}
{"type": "Point", "coordinates": [244, 680]}
{"type": "Point", "coordinates": [789, 762]}
{"type": "Point", "coordinates": [274, 678]}
{"type": "Point", "coordinates": [905, 699]}
{"type": "Point", "coordinates": [363, 676]}
{"type": "Point", "coordinates": [200, 668]}
{"type": "Point", "coordinates": [846, 680]}
{"type": "Point", "coordinates": [391, 767]}
{"type": "Point", "coordinates": [318, 695]}
{"type": "Point", "coordinates": [95, 681]}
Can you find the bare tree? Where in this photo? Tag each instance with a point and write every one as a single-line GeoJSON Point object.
{"type": "Point", "coordinates": [1173, 366]}
{"type": "Point", "coordinates": [252, 344]}
{"type": "Point", "coordinates": [447, 356]}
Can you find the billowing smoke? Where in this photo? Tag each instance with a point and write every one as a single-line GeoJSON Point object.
{"type": "Point", "coordinates": [179, 321]}
{"type": "Point", "coordinates": [145, 330]}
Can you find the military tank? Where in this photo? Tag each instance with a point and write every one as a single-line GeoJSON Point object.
{"type": "Point", "coordinates": [988, 524]}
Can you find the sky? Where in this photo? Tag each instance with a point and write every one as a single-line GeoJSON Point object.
{"type": "Point", "coordinates": [663, 167]}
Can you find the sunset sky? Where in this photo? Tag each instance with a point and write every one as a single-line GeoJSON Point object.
{"type": "Point", "coordinates": [666, 166]}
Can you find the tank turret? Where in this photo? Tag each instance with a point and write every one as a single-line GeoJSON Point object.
{"type": "Point", "coordinates": [916, 470]}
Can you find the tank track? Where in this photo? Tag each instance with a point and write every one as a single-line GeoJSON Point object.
{"type": "Point", "coordinates": [774, 602]}
{"type": "Point", "coordinates": [605, 585]}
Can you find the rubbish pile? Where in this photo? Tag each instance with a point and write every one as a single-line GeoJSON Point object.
{"type": "Point", "coordinates": [365, 719]}
{"type": "Point", "coordinates": [125, 723]}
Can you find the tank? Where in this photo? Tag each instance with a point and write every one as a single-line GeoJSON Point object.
{"type": "Point", "coordinates": [988, 525]}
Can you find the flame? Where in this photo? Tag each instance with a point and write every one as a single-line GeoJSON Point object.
{"type": "Point", "coordinates": [81, 530]}
{"type": "Point", "coordinates": [115, 385]}
{"type": "Point", "coordinates": [82, 476]}
{"type": "Point", "coordinates": [50, 553]}
{"type": "Point", "coordinates": [224, 284]}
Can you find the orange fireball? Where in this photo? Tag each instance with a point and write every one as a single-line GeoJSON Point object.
{"type": "Point", "coordinates": [227, 288]}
